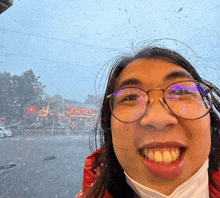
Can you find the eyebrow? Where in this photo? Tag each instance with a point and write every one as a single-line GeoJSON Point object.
{"type": "Point", "coordinates": [178, 74]}
{"type": "Point", "coordinates": [130, 81]}
{"type": "Point", "coordinates": [170, 76]}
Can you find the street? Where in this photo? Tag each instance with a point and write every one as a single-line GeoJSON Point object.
{"type": "Point", "coordinates": [42, 166]}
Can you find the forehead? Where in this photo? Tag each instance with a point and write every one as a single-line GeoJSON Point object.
{"type": "Point", "coordinates": [152, 72]}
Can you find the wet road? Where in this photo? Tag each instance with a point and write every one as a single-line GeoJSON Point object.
{"type": "Point", "coordinates": [46, 166]}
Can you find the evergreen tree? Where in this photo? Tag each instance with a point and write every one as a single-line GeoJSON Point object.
{"type": "Point", "coordinates": [93, 100]}
{"type": "Point", "coordinates": [6, 100]}
{"type": "Point", "coordinates": [17, 92]}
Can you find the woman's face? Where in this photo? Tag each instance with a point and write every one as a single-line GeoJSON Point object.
{"type": "Point", "coordinates": [159, 125]}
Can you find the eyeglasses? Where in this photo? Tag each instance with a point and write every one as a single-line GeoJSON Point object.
{"type": "Point", "coordinates": [187, 99]}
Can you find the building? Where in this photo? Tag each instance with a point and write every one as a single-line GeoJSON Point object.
{"type": "Point", "coordinates": [81, 116]}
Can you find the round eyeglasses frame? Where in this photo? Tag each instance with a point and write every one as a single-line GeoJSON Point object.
{"type": "Point", "coordinates": [209, 85]}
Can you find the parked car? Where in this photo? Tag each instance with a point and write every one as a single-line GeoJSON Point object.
{"type": "Point", "coordinates": [4, 132]}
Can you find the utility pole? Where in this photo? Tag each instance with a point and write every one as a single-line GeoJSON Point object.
{"type": "Point", "coordinates": [53, 127]}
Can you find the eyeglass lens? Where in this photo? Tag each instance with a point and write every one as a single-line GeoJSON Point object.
{"type": "Point", "coordinates": [188, 99]}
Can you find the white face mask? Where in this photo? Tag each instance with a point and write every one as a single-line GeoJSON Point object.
{"type": "Point", "coordinates": [196, 186]}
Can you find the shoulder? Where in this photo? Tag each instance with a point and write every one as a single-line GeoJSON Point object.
{"type": "Point", "coordinates": [216, 176]}
{"type": "Point", "coordinates": [91, 158]}
{"type": "Point", "coordinates": [213, 191]}
{"type": "Point", "coordinates": [88, 175]}
{"type": "Point", "coordinates": [93, 154]}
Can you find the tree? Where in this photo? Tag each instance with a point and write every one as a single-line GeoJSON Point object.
{"type": "Point", "coordinates": [57, 104]}
{"type": "Point", "coordinates": [31, 88]}
{"type": "Point", "coordinates": [71, 103]}
{"type": "Point", "coordinates": [16, 87]}
{"type": "Point", "coordinates": [93, 100]}
{"type": "Point", "coordinates": [6, 101]}
{"type": "Point", "coordinates": [17, 92]}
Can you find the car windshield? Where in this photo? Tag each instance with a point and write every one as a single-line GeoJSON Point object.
{"type": "Point", "coordinates": [53, 66]}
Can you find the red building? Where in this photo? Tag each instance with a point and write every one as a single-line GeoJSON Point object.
{"type": "Point", "coordinates": [81, 117]}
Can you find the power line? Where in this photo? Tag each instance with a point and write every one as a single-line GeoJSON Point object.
{"type": "Point", "coordinates": [56, 39]}
{"type": "Point", "coordinates": [44, 59]}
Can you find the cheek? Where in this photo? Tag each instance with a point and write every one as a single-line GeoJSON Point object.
{"type": "Point", "coordinates": [122, 134]}
{"type": "Point", "coordinates": [123, 144]}
{"type": "Point", "coordinates": [200, 138]}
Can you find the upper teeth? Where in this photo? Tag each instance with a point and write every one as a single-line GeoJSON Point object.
{"type": "Point", "coordinates": [162, 155]}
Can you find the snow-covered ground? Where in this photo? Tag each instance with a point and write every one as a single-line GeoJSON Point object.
{"type": "Point", "coordinates": [42, 166]}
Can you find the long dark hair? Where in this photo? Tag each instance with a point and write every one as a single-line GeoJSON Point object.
{"type": "Point", "coordinates": [111, 177]}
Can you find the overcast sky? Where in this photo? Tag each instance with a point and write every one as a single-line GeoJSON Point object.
{"type": "Point", "coordinates": [67, 43]}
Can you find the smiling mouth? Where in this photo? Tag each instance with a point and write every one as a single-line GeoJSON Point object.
{"type": "Point", "coordinates": [166, 155]}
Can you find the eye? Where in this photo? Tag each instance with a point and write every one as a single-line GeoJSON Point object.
{"type": "Point", "coordinates": [131, 97]}
{"type": "Point", "coordinates": [182, 92]}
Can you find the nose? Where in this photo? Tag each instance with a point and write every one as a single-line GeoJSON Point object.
{"type": "Point", "coordinates": [157, 116]}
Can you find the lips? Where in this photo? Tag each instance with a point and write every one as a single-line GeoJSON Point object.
{"type": "Point", "coordinates": [163, 145]}
{"type": "Point", "coordinates": [169, 170]}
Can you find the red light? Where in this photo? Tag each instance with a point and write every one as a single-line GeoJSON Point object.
{"type": "Point", "coordinates": [31, 109]}
{"type": "Point", "coordinates": [3, 118]}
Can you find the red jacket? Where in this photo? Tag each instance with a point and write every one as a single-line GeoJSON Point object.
{"type": "Point", "coordinates": [89, 178]}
